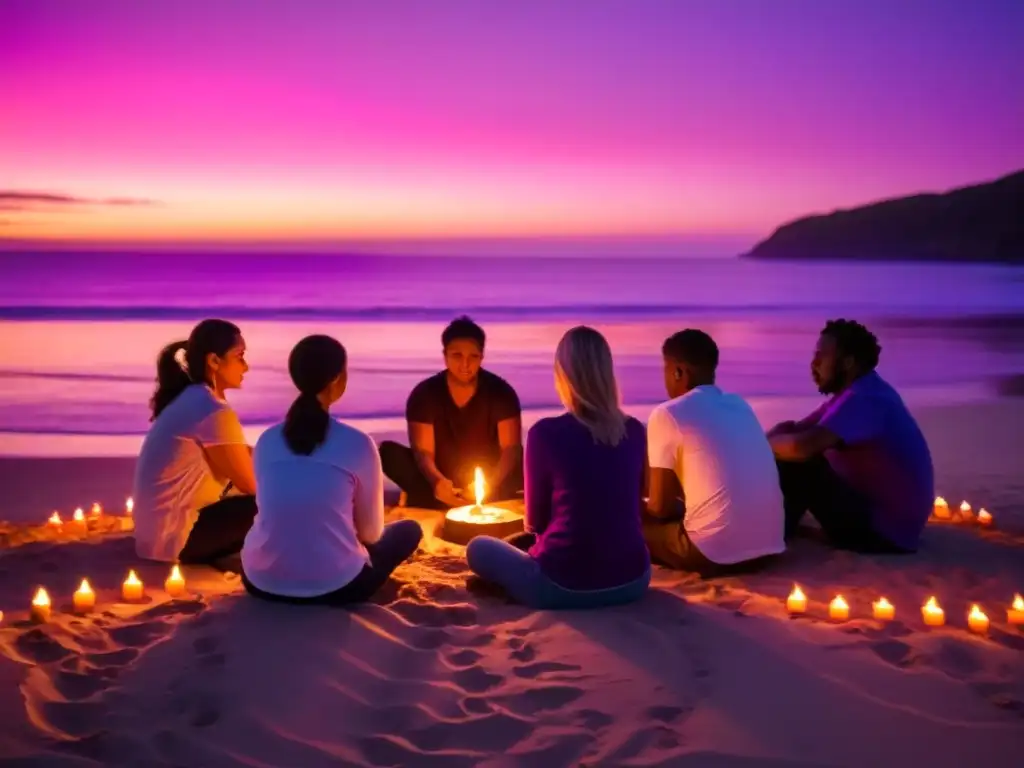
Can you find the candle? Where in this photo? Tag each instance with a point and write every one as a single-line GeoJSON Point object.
{"type": "Point", "coordinates": [932, 614]}
{"type": "Point", "coordinates": [96, 509]}
{"type": "Point", "coordinates": [77, 524]}
{"type": "Point", "coordinates": [941, 509]}
{"type": "Point", "coordinates": [965, 511]}
{"type": "Point", "coordinates": [175, 584]}
{"type": "Point", "coordinates": [54, 521]}
{"type": "Point", "coordinates": [40, 610]}
{"type": "Point", "coordinates": [1015, 613]}
{"type": "Point", "coordinates": [84, 598]}
{"type": "Point", "coordinates": [131, 589]}
{"type": "Point", "coordinates": [838, 610]}
{"type": "Point", "coordinates": [977, 620]}
{"type": "Point", "coordinates": [883, 610]}
{"type": "Point", "coordinates": [984, 517]}
{"type": "Point", "coordinates": [129, 505]}
{"type": "Point", "coordinates": [797, 600]}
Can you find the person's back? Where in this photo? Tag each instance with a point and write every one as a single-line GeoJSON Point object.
{"type": "Point", "coordinates": [730, 483]}
{"type": "Point", "coordinates": [304, 541]}
{"type": "Point", "coordinates": [173, 479]}
{"type": "Point", "coordinates": [584, 497]}
{"type": "Point", "coordinates": [884, 455]}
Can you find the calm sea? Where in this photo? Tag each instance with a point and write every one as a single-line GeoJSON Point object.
{"type": "Point", "coordinates": [80, 331]}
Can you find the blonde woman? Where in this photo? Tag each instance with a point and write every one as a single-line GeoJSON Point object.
{"type": "Point", "coordinates": [583, 546]}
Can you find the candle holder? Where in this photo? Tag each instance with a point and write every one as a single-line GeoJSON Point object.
{"type": "Point", "coordinates": [463, 524]}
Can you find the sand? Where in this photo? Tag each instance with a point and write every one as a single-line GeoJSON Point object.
{"type": "Point", "coordinates": [440, 670]}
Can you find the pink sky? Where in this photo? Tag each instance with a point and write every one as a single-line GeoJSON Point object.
{"type": "Point", "coordinates": [334, 120]}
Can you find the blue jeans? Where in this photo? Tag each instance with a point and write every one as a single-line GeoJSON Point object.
{"type": "Point", "coordinates": [508, 566]}
{"type": "Point", "coordinates": [396, 544]}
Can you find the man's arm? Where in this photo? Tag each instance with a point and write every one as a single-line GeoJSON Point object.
{"type": "Point", "coordinates": [664, 494]}
{"type": "Point", "coordinates": [808, 421]}
{"type": "Point", "coordinates": [421, 439]}
{"type": "Point", "coordinates": [664, 489]}
{"type": "Point", "coordinates": [510, 438]}
{"type": "Point", "coordinates": [537, 474]}
{"type": "Point", "coordinates": [803, 444]}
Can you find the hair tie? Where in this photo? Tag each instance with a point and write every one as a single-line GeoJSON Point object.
{"type": "Point", "coordinates": [179, 358]}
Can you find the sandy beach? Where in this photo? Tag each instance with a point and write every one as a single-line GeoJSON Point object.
{"type": "Point", "coordinates": [440, 672]}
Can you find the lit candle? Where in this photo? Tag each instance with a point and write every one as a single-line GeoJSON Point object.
{"type": "Point", "coordinates": [131, 589]}
{"type": "Point", "coordinates": [129, 505]}
{"type": "Point", "coordinates": [96, 509]}
{"type": "Point", "coordinates": [941, 509]}
{"type": "Point", "coordinates": [175, 584]}
{"type": "Point", "coordinates": [1015, 613]}
{"type": "Point", "coordinates": [977, 620]}
{"type": "Point", "coordinates": [932, 614]}
{"type": "Point", "coordinates": [984, 517]}
{"type": "Point", "coordinates": [84, 598]}
{"type": "Point", "coordinates": [965, 511]}
{"type": "Point", "coordinates": [797, 600]}
{"type": "Point", "coordinates": [883, 610]}
{"type": "Point", "coordinates": [838, 610]}
{"type": "Point", "coordinates": [54, 521]}
{"type": "Point", "coordinates": [40, 610]}
{"type": "Point", "coordinates": [77, 523]}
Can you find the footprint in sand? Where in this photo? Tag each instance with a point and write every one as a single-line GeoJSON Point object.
{"type": "Point", "coordinates": [594, 719]}
{"type": "Point", "coordinates": [76, 686]}
{"type": "Point", "coordinates": [534, 700]}
{"type": "Point", "coordinates": [39, 647]}
{"type": "Point", "coordinates": [895, 652]}
{"type": "Point", "coordinates": [667, 714]}
{"type": "Point", "coordinates": [524, 652]}
{"type": "Point", "coordinates": [432, 615]}
{"type": "Point", "coordinates": [476, 679]}
{"type": "Point", "coordinates": [467, 657]}
{"type": "Point", "coordinates": [533, 671]}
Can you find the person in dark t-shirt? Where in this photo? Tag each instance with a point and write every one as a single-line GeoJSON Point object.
{"type": "Point", "coordinates": [459, 419]}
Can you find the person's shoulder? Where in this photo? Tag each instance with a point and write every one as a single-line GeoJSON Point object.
{"type": "Point", "coordinates": [344, 439]}
{"type": "Point", "coordinates": [431, 384]}
{"type": "Point", "coordinates": [271, 439]}
{"type": "Point", "coordinates": [495, 382]}
{"type": "Point", "coordinates": [634, 426]}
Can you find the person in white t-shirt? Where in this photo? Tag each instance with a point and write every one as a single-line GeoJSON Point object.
{"type": "Point", "coordinates": [194, 482]}
{"type": "Point", "coordinates": [320, 535]}
{"type": "Point", "coordinates": [714, 503]}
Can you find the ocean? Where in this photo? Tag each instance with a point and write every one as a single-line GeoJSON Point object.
{"type": "Point", "coordinates": [80, 331]}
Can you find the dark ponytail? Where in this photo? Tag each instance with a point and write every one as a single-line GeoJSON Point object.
{"type": "Point", "coordinates": [182, 363]}
{"type": "Point", "coordinates": [313, 364]}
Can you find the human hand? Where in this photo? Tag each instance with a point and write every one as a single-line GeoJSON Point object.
{"type": "Point", "coordinates": [782, 428]}
{"type": "Point", "coordinates": [446, 492]}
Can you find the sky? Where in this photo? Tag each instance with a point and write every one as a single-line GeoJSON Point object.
{"type": "Point", "coordinates": [262, 121]}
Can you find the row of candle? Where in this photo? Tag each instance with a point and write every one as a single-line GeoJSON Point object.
{"type": "Point", "coordinates": [941, 511]}
{"type": "Point", "coordinates": [78, 520]}
{"type": "Point", "coordinates": [84, 598]}
{"type": "Point", "coordinates": [931, 612]}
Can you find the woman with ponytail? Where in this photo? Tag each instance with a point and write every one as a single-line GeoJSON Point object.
{"type": "Point", "coordinates": [584, 544]}
{"type": "Point", "coordinates": [195, 455]}
{"type": "Point", "coordinates": [320, 535]}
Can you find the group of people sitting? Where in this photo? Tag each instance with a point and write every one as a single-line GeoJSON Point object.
{"type": "Point", "coordinates": [701, 488]}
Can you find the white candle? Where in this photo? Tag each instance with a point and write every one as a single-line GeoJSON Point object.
{"type": "Point", "coordinates": [932, 614]}
{"type": "Point", "coordinates": [941, 509]}
{"type": "Point", "coordinates": [883, 610]}
{"type": "Point", "coordinates": [84, 598]}
{"type": "Point", "coordinates": [77, 524]}
{"type": "Point", "coordinates": [175, 584]}
{"type": "Point", "coordinates": [797, 600]}
{"type": "Point", "coordinates": [131, 589]}
{"type": "Point", "coordinates": [977, 621]}
{"type": "Point", "coordinates": [838, 610]}
{"type": "Point", "coordinates": [40, 609]}
{"type": "Point", "coordinates": [984, 518]}
{"type": "Point", "coordinates": [965, 511]}
{"type": "Point", "coordinates": [1015, 613]}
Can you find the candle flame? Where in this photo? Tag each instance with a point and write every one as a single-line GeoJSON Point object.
{"type": "Point", "coordinates": [478, 486]}
{"type": "Point", "coordinates": [797, 593]}
{"type": "Point", "coordinates": [129, 505]}
{"type": "Point", "coordinates": [41, 599]}
{"type": "Point", "coordinates": [1018, 603]}
{"type": "Point", "coordinates": [84, 588]}
{"type": "Point", "coordinates": [175, 574]}
{"type": "Point", "coordinates": [932, 605]}
{"type": "Point", "coordinates": [965, 507]}
{"type": "Point", "coordinates": [55, 519]}
{"type": "Point", "coordinates": [96, 508]}
{"type": "Point", "coordinates": [132, 578]}
{"type": "Point", "coordinates": [940, 502]}
{"type": "Point", "coordinates": [839, 602]}
{"type": "Point", "coordinates": [882, 603]}
{"type": "Point", "coordinates": [79, 516]}
{"type": "Point", "coordinates": [984, 514]}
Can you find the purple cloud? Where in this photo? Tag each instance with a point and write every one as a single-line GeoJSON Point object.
{"type": "Point", "coordinates": [21, 200]}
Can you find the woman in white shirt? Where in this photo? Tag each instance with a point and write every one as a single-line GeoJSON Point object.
{"type": "Point", "coordinates": [320, 535]}
{"type": "Point", "coordinates": [195, 453]}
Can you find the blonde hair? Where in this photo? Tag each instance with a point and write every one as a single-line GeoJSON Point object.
{"type": "Point", "coordinates": [585, 380]}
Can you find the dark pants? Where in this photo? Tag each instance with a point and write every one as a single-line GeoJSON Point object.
{"type": "Point", "coordinates": [843, 513]}
{"type": "Point", "coordinates": [399, 465]}
{"type": "Point", "coordinates": [671, 546]}
{"type": "Point", "coordinates": [396, 544]}
{"type": "Point", "coordinates": [220, 530]}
